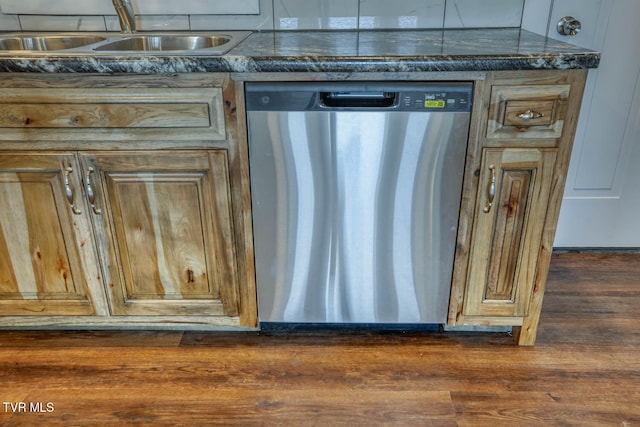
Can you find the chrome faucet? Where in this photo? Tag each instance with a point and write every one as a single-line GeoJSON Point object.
{"type": "Point", "coordinates": [127, 18]}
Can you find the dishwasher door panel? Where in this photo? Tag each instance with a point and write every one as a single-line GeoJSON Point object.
{"type": "Point", "coordinates": [355, 214]}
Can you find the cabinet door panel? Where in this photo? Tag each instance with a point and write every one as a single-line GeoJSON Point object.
{"type": "Point", "coordinates": [164, 230]}
{"type": "Point", "coordinates": [167, 232]}
{"type": "Point", "coordinates": [508, 230]}
{"type": "Point", "coordinates": [509, 227]}
{"type": "Point", "coordinates": [40, 273]}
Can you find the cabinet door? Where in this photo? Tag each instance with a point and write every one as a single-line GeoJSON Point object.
{"type": "Point", "coordinates": [163, 222]}
{"type": "Point", "coordinates": [40, 269]}
{"type": "Point", "coordinates": [510, 215]}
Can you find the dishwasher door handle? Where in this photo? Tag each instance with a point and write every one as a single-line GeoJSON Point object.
{"type": "Point", "coordinates": [358, 99]}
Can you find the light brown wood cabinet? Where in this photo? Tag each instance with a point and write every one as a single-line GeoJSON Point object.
{"type": "Point", "coordinates": [513, 196]}
{"type": "Point", "coordinates": [164, 222]}
{"type": "Point", "coordinates": [40, 268]}
{"type": "Point", "coordinates": [124, 201]}
{"type": "Point", "coordinates": [519, 149]}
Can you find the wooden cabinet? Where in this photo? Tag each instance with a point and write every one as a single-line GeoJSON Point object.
{"type": "Point", "coordinates": [166, 233]}
{"type": "Point", "coordinates": [40, 272]}
{"type": "Point", "coordinates": [511, 206]}
{"type": "Point", "coordinates": [519, 148]}
{"type": "Point", "coordinates": [124, 201]}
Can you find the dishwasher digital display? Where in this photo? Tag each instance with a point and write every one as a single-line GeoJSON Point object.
{"type": "Point", "coordinates": [434, 103]}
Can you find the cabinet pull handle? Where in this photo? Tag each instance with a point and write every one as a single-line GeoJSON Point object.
{"type": "Point", "coordinates": [90, 193]}
{"type": "Point", "coordinates": [68, 190]}
{"type": "Point", "coordinates": [530, 115]}
{"type": "Point", "coordinates": [491, 189]}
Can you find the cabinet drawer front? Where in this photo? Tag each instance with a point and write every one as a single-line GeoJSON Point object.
{"type": "Point", "coordinates": [134, 115]}
{"type": "Point", "coordinates": [127, 108]}
{"type": "Point", "coordinates": [527, 112]}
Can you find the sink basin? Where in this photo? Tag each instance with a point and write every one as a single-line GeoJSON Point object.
{"type": "Point", "coordinates": [170, 43]}
{"type": "Point", "coordinates": [173, 43]}
{"type": "Point", "coordinates": [47, 42]}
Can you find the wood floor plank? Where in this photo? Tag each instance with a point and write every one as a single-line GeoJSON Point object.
{"type": "Point", "coordinates": [122, 370]}
{"type": "Point", "coordinates": [83, 339]}
{"type": "Point", "coordinates": [254, 407]}
{"type": "Point", "coordinates": [544, 409]}
{"type": "Point", "coordinates": [583, 371]}
{"type": "Point", "coordinates": [592, 300]}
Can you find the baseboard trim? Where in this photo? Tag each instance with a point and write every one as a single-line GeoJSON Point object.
{"type": "Point", "coordinates": [596, 250]}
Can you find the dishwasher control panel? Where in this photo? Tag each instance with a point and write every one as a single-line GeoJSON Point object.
{"type": "Point", "coordinates": [440, 100]}
{"type": "Point", "coordinates": [360, 96]}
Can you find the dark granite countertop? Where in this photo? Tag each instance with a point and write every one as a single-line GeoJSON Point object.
{"type": "Point", "coordinates": [349, 51]}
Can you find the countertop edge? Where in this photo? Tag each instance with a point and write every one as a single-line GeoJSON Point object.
{"type": "Point", "coordinates": [256, 64]}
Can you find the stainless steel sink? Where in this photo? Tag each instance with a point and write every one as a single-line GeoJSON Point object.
{"type": "Point", "coordinates": [216, 44]}
{"type": "Point", "coordinates": [174, 43]}
{"type": "Point", "coordinates": [165, 43]}
{"type": "Point", "coordinates": [47, 42]}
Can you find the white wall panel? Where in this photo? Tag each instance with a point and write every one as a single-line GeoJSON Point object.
{"type": "Point", "coordinates": [315, 14]}
{"type": "Point", "coordinates": [9, 23]}
{"type": "Point", "coordinates": [485, 13]}
{"type": "Point", "coordinates": [404, 14]}
{"type": "Point", "coordinates": [62, 23]}
{"type": "Point", "coordinates": [57, 7]}
{"type": "Point", "coordinates": [150, 7]}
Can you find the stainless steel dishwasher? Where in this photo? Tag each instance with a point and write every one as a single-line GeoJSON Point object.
{"type": "Point", "coordinates": [356, 196]}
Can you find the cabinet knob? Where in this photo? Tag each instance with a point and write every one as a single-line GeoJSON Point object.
{"type": "Point", "coordinates": [569, 26]}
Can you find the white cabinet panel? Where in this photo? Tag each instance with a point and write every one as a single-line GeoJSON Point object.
{"type": "Point", "coordinates": [602, 195]}
{"type": "Point", "coordinates": [535, 16]}
{"type": "Point", "coordinates": [588, 12]}
{"type": "Point", "coordinates": [600, 147]}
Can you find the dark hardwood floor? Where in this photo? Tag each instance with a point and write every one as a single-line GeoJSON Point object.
{"type": "Point", "coordinates": [584, 370]}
